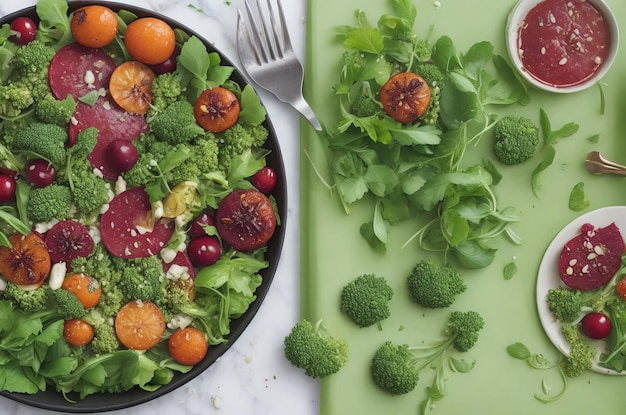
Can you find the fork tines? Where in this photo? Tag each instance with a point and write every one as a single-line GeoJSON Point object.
{"type": "Point", "coordinates": [266, 40]}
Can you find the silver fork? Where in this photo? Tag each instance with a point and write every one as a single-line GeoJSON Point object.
{"type": "Point", "coordinates": [267, 56]}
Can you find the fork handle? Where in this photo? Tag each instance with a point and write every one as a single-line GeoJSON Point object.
{"type": "Point", "coordinates": [305, 109]}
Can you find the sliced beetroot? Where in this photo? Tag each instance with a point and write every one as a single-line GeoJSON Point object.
{"type": "Point", "coordinates": [128, 229]}
{"type": "Point", "coordinates": [67, 240]}
{"type": "Point", "coordinates": [113, 123]}
{"type": "Point", "coordinates": [590, 259]}
{"type": "Point", "coordinates": [78, 70]}
{"type": "Point", "coordinates": [245, 219]}
{"type": "Point", "coordinates": [181, 259]}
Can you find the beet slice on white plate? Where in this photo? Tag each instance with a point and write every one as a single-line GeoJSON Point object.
{"type": "Point", "coordinates": [127, 228]}
{"type": "Point", "coordinates": [67, 240]}
{"type": "Point", "coordinates": [590, 259]}
{"type": "Point", "coordinates": [78, 70]}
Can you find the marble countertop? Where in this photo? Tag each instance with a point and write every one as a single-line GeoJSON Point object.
{"type": "Point", "coordinates": [252, 377]}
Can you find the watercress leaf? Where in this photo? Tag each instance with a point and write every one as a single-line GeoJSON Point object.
{"type": "Point", "coordinates": [457, 107]}
{"type": "Point", "coordinates": [54, 25]}
{"type": "Point", "coordinates": [365, 39]}
{"type": "Point", "coordinates": [426, 134]}
{"type": "Point", "coordinates": [395, 208]}
{"type": "Point", "coordinates": [399, 51]}
{"type": "Point", "coordinates": [461, 365]}
{"type": "Point", "coordinates": [381, 179]}
{"type": "Point", "coordinates": [518, 351]}
{"type": "Point", "coordinates": [462, 83]}
{"type": "Point", "coordinates": [509, 88]}
{"type": "Point", "coordinates": [454, 227]}
{"type": "Point", "coordinates": [472, 255]}
{"type": "Point", "coordinates": [510, 270]}
{"type": "Point", "coordinates": [566, 130]}
{"type": "Point", "coordinates": [435, 189]}
{"type": "Point", "coordinates": [475, 59]}
{"type": "Point", "coordinates": [367, 232]}
{"type": "Point", "coordinates": [412, 182]}
{"type": "Point", "coordinates": [218, 75]}
{"type": "Point", "coordinates": [252, 111]}
{"type": "Point", "coordinates": [351, 188]}
{"type": "Point", "coordinates": [378, 224]}
{"type": "Point", "coordinates": [493, 170]}
{"type": "Point", "coordinates": [577, 199]}
{"type": "Point", "coordinates": [377, 69]}
{"type": "Point", "coordinates": [244, 165]}
{"type": "Point", "coordinates": [405, 9]}
{"type": "Point", "coordinates": [445, 54]}
{"type": "Point", "coordinates": [546, 127]}
{"type": "Point", "coordinates": [547, 161]}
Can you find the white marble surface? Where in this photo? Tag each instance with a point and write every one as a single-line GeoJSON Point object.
{"type": "Point", "coordinates": [252, 378]}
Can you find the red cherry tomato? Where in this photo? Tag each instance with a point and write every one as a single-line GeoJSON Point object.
{"type": "Point", "coordinates": [196, 229]}
{"type": "Point", "coordinates": [7, 188]}
{"type": "Point", "coordinates": [204, 250]}
{"type": "Point", "coordinates": [40, 173]}
{"type": "Point", "coordinates": [596, 325]}
{"type": "Point", "coordinates": [265, 180]}
{"type": "Point", "coordinates": [24, 30]}
{"type": "Point", "coordinates": [122, 154]}
{"type": "Point", "coordinates": [169, 65]}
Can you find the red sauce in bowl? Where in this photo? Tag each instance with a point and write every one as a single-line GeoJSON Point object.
{"type": "Point", "coordinates": [563, 42]}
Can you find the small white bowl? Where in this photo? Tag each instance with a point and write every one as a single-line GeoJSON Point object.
{"type": "Point", "coordinates": [516, 21]}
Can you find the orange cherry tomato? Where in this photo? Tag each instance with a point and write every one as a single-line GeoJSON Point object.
{"type": "Point", "coordinates": [139, 325]}
{"type": "Point", "coordinates": [405, 97]}
{"type": "Point", "coordinates": [188, 346]}
{"type": "Point", "coordinates": [28, 262]}
{"type": "Point", "coordinates": [150, 40]}
{"type": "Point", "coordinates": [130, 86]}
{"type": "Point", "coordinates": [94, 26]}
{"type": "Point", "coordinates": [77, 332]}
{"type": "Point", "coordinates": [217, 109]}
{"type": "Point", "coordinates": [86, 288]}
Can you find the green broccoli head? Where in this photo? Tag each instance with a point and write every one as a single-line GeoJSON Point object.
{"type": "Point", "coordinates": [142, 172]}
{"type": "Point", "coordinates": [176, 124]}
{"type": "Point", "coordinates": [393, 368]}
{"type": "Point", "coordinates": [434, 286]}
{"type": "Point", "coordinates": [68, 305]}
{"type": "Point", "coordinates": [516, 139]}
{"type": "Point", "coordinates": [50, 110]}
{"type": "Point", "coordinates": [39, 140]}
{"type": "Point", "coordinates": [565, 303]}
{"type": "Point", "coordinates": [13, 99]}
{"type": "Point", "coordinates": [313, 349]}
{"type": "Point", "coordinates": [29, 67]}
{"type": "Point", "coordinates": [89, 191]}
{"type": "Point", "coordinates": [431, 74]}
{"type": "Point", "coordinates": [29, 301]}
{"type": "Point", "coordinates": [50, 202]}
{"type": "Point", "coordinates": [581, 354]}
{"type": "Point", "coordinates": [237, 140]}
{"type": "Point", "coordinates": [141, 279]}
{"type": "Point", "coordinates": [366, 300]}
{"type": "Point", "coordinates": [203, 160]}
{"type": "Point", "coordinates": [166, 89]}
{"type": "Point", "coordinates": [464, 327]}
{"type": "Point", "coordinates": [364, 106]}
{"type": "Point", "coordinates": [104, 340]}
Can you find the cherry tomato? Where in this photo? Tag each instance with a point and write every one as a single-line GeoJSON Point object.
{"type": "Point", "coordinates": [405, 97]}
{"type": "Point", "coordinates": [204, 250]}
{"type": "Point", "coordinates": [122, 154]}
{"type": "Point", "coordinates": [196, 229]}
{"type": "Point", "coordinates": [7, 188]}
{"type": "Point", "coordinates": [169, 65]}
{"type": "Point", "coordinates": [40, 173]}
{"type": "Point", "coordinates": [265, 180]}
{"type": "Point", "coordinates": [24, 30]}
{"type": "Point", "coordinates": [217, 109]}
{"type": "Point", "coordinates": [596, 325]}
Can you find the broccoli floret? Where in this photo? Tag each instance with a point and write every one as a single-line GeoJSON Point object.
{"type": "Point", "coordinates": [422, 49]}
{"type": "Point", "coordinates": [104, 340]}
{"type": "Point", "coordinates": [396, 368]}
{"type": "Point", "coordinates": [166, 89]}
{"type": "Point", "coordinates": [565, 303]}
{"type": "Point", "coordinates": [581, 355]}
{"type": "Point", "coordinates": [176, 124]}
{"type": "Point", "coordinates": [39, 140]}
{"type": "Point", "coordinates": [141, 279]}
{"type": "Point", "coordinates": [238, 139]}
{"type": "Point", "coordinates": [204, 159]}
{"type": "Point", "coordinates": [29, 67]}
{"type": "Point", "coordinates": [28, 301]}
{"type": "Point", "coordinates": [142, 172]}
{"type": "Point", "coordinates": [89, 191]}
{"type": "Point", "coordinates": [431, 74]}
{"type": "Point", "coordinates": [366, 300]}
{"type": "Point", "coordinates": [67, 304]}
{"type": "Point", "coordinates": [50, 110]}
{"type": "Point", "coordinates": [314, 349]}
{"type": "Point", "coordinates": [364, 106]}
{"type": "Point", "coordinates": [434, 286]}
{"type": "Point", "coordinates": [516, 139]}
{"type": "Point", "coordinates": [50, 202]}
{"type": "Point", "coordinates": [14, 98]}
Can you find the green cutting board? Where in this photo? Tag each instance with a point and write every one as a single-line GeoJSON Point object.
{"type": "Point", "coordinates": [333, 253]}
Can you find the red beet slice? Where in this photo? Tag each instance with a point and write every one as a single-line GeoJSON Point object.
{"type": "Point", "coordinates": [245, 219]}
{"type": "Point", "coordinates": [67, 240]}
{"type": "Point", "coordinates": [113, 123]}
{"type": "Point", "coordinates": [127, 230]}
{"type": "Point", "coordinates": [590, 259]}
{"type": "Point", "coordinates": [68, 72]}
{"type": "Point", "coordinates": [181, 259]}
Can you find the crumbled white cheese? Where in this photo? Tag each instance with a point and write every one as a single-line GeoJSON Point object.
{"type": "Point", "coordinates": [168, 255]}
{"type": "Point", "coordinates": [94, 232]}
{"type": "Point", "coordinates": [177, 272]}
{"type": "Point", "coordinates": [57, 275]}
{"type": "Point", "coordinates": [217, 402]}
{"type": "Point", "coordinates": [45, 226]}
{"type": "Point", "coordinates": [179, 321]}
{"type": "Point", "coordinates": [89, 78]}
{"type": "Point", "coordinates": [120, 185]}
{"type": "Point", "coordinates": [3, 284]}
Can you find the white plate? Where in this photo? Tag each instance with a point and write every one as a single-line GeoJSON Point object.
{"type": "Point", "coordinates": [548, 275]}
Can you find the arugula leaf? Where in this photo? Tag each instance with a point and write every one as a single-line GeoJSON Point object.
{"type": "Point", "coordinates": [252, 112]}
{"type": "Point", "coordinates": [54, 26]}
{"type": "Point", "coordinates": [577, 199]}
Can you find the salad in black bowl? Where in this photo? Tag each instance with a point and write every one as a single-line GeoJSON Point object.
{"type": "Point", "coordinates": [142, 197]}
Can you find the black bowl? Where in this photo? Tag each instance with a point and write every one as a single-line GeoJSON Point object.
{"type": "Point", "coordinates": [52, 400]}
